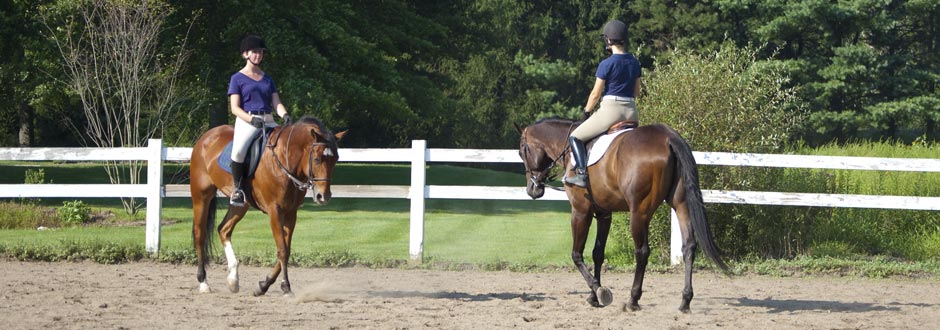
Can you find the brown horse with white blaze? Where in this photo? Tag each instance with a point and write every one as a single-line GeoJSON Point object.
{"type": "Point", "coordinates": [642, 169]}
{"type": "Point", "coordinates": [297, 157]}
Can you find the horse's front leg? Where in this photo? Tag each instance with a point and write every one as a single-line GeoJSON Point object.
{"type": "Point", "coordinates": [290, 219]}
{"type": "Point", "coordinates": [282, 227]}
{"type": "Point", "coordinates": [580, 225]}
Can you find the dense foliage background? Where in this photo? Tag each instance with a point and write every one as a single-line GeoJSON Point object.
{"type": "Point", "coordinates": [459, 73]}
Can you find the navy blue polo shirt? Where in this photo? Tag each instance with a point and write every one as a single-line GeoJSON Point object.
{"type": "Point", "coordinates": [619, 72]}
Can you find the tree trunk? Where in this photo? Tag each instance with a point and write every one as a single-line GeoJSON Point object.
{"type": "Point", "coordinates": [26, 114]}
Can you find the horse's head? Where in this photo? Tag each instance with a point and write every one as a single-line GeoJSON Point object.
{"type": "Point", "coordinates": [321, 157]}
{"type": "Point", "coordinates": [540, 147]}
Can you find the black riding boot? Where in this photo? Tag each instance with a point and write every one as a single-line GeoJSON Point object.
{"type": "Point", "coordinates": [580, 177]}
{"type": "Point", "coordinates": [238, 174]}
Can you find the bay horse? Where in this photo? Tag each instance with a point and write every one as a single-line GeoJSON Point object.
{"type": "Point", "coordinates": [642, 168]}
{"type": "Point", "coordinates": [297, 157]}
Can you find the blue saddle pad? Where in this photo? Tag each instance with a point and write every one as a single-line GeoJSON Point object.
{"type": "Point", "coordinates": [255, 149]}
{"type": "Point", "coordinates": [225, 159]}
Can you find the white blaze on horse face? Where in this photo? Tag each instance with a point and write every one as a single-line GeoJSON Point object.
{"type": "Point", "coordinates": [327, 152]}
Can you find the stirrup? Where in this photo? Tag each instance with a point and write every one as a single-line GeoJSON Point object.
{"type": "Point", "coordinates": [237, 199]}
{"type": "Point", "coordinates": [579, 179]}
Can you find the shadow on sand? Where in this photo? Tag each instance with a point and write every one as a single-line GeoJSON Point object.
{"type": "Point", "coordinates": [794, 305]}
{"type": "Point", "coordinates": [454, 295]}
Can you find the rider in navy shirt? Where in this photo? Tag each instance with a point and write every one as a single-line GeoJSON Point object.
{"type": "Point", "coordinates": [616, 86]}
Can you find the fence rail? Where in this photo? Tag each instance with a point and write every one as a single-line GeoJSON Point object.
{"type": "Point", "coordinates": [419, 155]}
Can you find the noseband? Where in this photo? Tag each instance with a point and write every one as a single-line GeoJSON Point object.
{"type": "Point", "coordinates": [300, 184]}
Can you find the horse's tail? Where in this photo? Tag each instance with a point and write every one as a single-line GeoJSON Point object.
{"type": "Point", "coordinates": [688, 171]}
{"type": "Point", "coordinates": [208, 227]}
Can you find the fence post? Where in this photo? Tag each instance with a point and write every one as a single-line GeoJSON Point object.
{"type": "Point", "coordinates": [417, 194]}
{"type": "Point", "coordinates": [675, 239]}
{"type": "Point", "coordinates": [154, 193]}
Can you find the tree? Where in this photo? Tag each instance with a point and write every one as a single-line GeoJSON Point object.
{"type": "Point", "coordinates": [112, 60]}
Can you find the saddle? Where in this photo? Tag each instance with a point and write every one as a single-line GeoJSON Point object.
{"type": "Point", "coordinates": [598, 146]}
{"type": "Point", "coordinates": [252, 157]}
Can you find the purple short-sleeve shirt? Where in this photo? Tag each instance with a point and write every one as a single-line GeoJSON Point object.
{"type": "Point", "coordinates": [255, 94]}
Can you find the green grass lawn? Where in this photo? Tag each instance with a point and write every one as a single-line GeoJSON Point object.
{"type": "Point", "coordinates": [368, 230]}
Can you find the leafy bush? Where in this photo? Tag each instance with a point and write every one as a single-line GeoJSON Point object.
{"type": "Point", "coordinates": [73, 212]}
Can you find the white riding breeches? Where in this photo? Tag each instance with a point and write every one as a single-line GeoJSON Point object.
{"type": "Point", "coordinates": [244, 132]}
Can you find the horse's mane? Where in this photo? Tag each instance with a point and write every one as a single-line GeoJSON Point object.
{"type": "Point", "coordinates": [310, 120]}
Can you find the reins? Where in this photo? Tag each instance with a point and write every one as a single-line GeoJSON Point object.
{"type": "Point", "coordinates": [534, 177]}
{"type": "Point", "coordinates": [525, 152]}
{"type": "Point", "coordinates": [300, 184]}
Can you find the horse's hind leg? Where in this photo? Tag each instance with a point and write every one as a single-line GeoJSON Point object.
{"type": "Point", "coordinates": [232, 217]}
{"type": "Point", "coordinates": [639, 228]}
{"type": "Point", "coordinates": [202, 225]}
{"type": "Point", "coordinates": [604, 296]}
{"type": "Point", "coordinates": [688, 252]}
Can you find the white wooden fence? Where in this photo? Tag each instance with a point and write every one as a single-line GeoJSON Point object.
{"type": "Point", "coordinates": [419, 155]}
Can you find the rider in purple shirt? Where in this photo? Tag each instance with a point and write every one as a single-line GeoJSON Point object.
{"type": "Point", "coordinates": [252, 96]}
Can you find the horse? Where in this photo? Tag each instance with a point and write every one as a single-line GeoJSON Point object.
{"type": "Point", "coordinates": [642, 168]}
{"type": "Point", "coordinates": [297, 157]}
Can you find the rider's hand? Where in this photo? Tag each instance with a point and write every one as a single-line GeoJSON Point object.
{"type": "Point", "coordinates": [585, 115]}
{"type": "Point", "coordinates": [257, 122]}
{"type": "Point", "coordinates": [287, 120]}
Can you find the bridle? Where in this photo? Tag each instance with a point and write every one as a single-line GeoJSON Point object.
{"type": "Point", "coordinates": [300, 184]}
{"type": "Point", "coordinates": [536, 173]}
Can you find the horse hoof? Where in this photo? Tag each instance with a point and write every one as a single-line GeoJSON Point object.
{"type": "Point", "coordinates": [592, 300]}
{"type": "Point", "coordinates": [258, 292]}
{"type": "Point", "coordinates": [604, 296]}
{"type": "Point", "coordinates": [204, 288]}
{"type": "Point", "coordinates": [233, 286]}
{"type": "Point", "coordinates": [631, 307]}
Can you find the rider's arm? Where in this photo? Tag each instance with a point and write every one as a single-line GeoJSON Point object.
{"type": "Point", "coordinates": [234, 101]}
{"type": "Point", "coordinates": [595, 95]}
{"type": "Point", "coordinates": [278, 106]}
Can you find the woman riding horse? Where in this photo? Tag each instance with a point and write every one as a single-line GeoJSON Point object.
{"type": "Point", "coordinates": [618, 80]}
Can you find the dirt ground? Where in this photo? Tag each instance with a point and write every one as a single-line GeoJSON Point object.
{"type": "Point", "coordinates": [67, 295]}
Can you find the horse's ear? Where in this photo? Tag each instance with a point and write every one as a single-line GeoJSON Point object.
{"type": "Point", "coordinates": [340, 135]}
{"type": "Point", "coordinates": [518, 128]}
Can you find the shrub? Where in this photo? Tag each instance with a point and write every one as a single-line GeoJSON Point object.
{"type": "Point", "coordinates": [73, 212]}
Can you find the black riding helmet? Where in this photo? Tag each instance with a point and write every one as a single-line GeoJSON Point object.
{"type": "Point", "coordinates": [250, 42]}
{"type": "Point", "coordinates": [616, 31]}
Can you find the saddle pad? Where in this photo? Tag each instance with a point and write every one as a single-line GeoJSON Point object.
{"type": "Point", "coordinates": [601, 145]}
{"type": "Point", "coordinates": [255, 149]}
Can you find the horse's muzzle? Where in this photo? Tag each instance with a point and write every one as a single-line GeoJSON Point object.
{"type": "Point", "coordinates": [535, 191]}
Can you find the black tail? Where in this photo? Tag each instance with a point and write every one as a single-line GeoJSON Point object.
{"type": "Point", "coordinates": [208, 228]}
{"type": "Point", "coordinates": [688, 171]}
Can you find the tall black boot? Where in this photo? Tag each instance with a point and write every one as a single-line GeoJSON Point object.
{"type": "Point", "coordinates": [580, 176]}
{"type": "Point", "coordinates": [238, 174]}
